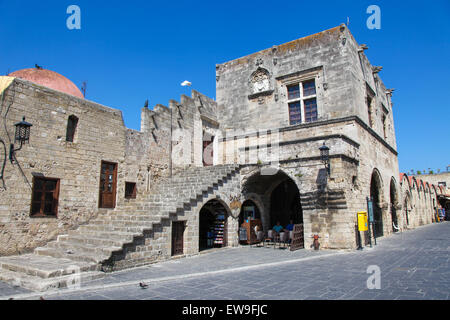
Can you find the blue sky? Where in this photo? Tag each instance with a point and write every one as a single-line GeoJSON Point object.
{"type": "Point", "coordinates": [130, 51]}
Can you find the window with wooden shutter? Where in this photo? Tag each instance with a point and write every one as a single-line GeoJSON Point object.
{"type": "Point", "coordinates": [45, 197]}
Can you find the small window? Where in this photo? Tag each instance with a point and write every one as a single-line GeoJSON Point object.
{"type": "Point", "coordinates": [72, 123]}
{"type": "Point", "coordinates": [383, 119]}
{"type": "Point", "coordinates": [45, 197]}
{"type": "Point", "coordinates": [130, 190]}
{"type": "Point", "coordinates": [370, 110]}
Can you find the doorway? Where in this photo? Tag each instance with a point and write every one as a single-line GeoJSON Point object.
{"type": "Point", "coordinates": [212, 226]}
{"type": "Point", "coordinates": [108, 185]}
{"type": "Point", "coordinates": [208, 149]}
{"type": "Point", "coordinates": [393, 198]}
{"type": "Point", "coordinates": [177, 237]}
{"type": "Point", "coordinates": [375, 194]}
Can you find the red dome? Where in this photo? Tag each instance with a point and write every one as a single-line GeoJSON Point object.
{"type": "Point", "coordinates": [48, 79]}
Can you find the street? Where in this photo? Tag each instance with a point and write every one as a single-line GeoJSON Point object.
{"type": "Point", "coordinates": [412, 265]}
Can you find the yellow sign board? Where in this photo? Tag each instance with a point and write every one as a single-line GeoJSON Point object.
{"type": "Point", "coordinates": [362, 221]}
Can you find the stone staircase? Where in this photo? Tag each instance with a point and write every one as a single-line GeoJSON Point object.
{"type": "Point", "coordinates": [86, 253]}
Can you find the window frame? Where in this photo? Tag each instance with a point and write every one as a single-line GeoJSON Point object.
{"type": "Point", "coordinates": [372, 106]}
{"type": "Point", "coordinates": [133, 194]}
{"type": "Point", "coordinates": [302, 97]}
{"type": "Point", "coordinates": [42, 201]}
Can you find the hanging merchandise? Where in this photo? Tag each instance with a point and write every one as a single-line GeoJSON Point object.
{"type": "Point", "coordinates": [219, 230]}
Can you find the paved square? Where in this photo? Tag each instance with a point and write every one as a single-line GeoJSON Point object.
{"type": "Point", "coordinates": [413, 265]}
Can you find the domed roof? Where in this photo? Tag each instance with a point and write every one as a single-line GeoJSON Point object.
{"type": "Point", "coordinates": [48, 79]}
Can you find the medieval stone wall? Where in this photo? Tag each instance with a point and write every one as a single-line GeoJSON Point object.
{"type": "Point", "coordinates": [100, 135]}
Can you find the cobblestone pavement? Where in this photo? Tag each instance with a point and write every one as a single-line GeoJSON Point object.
{"type": "Point", "coordinates": [413, 265]}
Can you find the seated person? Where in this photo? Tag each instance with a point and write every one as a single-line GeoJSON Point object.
{"type": "Point", "coordinates": [278, 228]}
{"type": "Point", "coordinates": [290, 226]}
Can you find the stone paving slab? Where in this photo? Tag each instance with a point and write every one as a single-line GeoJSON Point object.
{"type": "Point", "coordinates": [414, 265]}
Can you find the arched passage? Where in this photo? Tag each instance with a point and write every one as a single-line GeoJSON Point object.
{"type": "Point", "coordinates": [406, 208]}
{"type": "Point", "coordinates": [393, 205]}
{"type": "Point", "coordinates": [376, 195]}
{"type": "Point", "coordinates": [212, 225]}
{"type": "Point", "coordinates": [280, 197]}
{"type": "Point", "coordinates": [285, 204]}
{"type": "Point", "coordinates": [249, 209]}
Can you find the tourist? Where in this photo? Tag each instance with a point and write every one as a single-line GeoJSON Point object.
{"type": "Point", "coordinates": [278, 227]}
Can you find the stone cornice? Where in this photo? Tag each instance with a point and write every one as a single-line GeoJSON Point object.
{"type": "Point", "coordinates": [321, 123]}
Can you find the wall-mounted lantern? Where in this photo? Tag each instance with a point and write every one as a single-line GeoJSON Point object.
{"type": "Point", "coordinates": [21, 136]}
{"type": "Point", "coordinates": [325, 156]}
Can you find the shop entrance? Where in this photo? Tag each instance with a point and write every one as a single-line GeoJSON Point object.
{"type": "Point", "coordinates": [280, 197]}
{"type": "Point", "coordinates": [212, 226]}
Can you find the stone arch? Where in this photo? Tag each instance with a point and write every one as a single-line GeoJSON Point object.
{"type": "Point", "coordinates": [265, 187]}
{"type": "Point", "coordinates": [406, 208]}
{"type": "Point", "coordinates": [256, 200]}
{"type": "Point", "coordinates": [376, 194]}
{"type": "Point", "coordinates": [393, 204]}
{"type": "Point", "coordinates": [213, 215]}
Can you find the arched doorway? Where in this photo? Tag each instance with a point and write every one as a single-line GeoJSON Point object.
{"type": "Point", "coordinates": [212, 225]}
{"type": "Point", "coordinates": [375, 194]}
{"type": "Point", "coordinates": [406, 209]}
{"type": "Point", "coordinates": [285, 204]}
{"type": "Point", "coordinates": [249, 209]}
{"type": "Point", "coordinates": [280, 198]}
{"type": "Point", "coordinates": [393, 204]}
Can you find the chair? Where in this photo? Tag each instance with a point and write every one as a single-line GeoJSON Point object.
{"type": "Point", "coordinates": [269, 237]}
{"type": "Point", "coordinates": [259, 237]}
{"type": "Point", "coordinates": [276, 238]}
{"type": "Point", "coordinates": [284, 237]}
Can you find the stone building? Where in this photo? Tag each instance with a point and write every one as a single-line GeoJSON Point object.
{"type": "Point", "coordinates": [87, 195]}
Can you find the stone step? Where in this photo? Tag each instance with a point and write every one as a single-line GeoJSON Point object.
{"type": "Point", "coordinates": [76, 256]}
{"type": "Point", "coordinates": [123, 218]}
{"type": "Point", "coordinates": [43, 266]}
{"type": "Point", "coordinates": [39, 284]}
{"type": "Point", "coordinates": [106, 242]}
{"type": "Point", "coordinates": [83, 248]}
{"type": "Point", "coordinates": [130, 227]}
